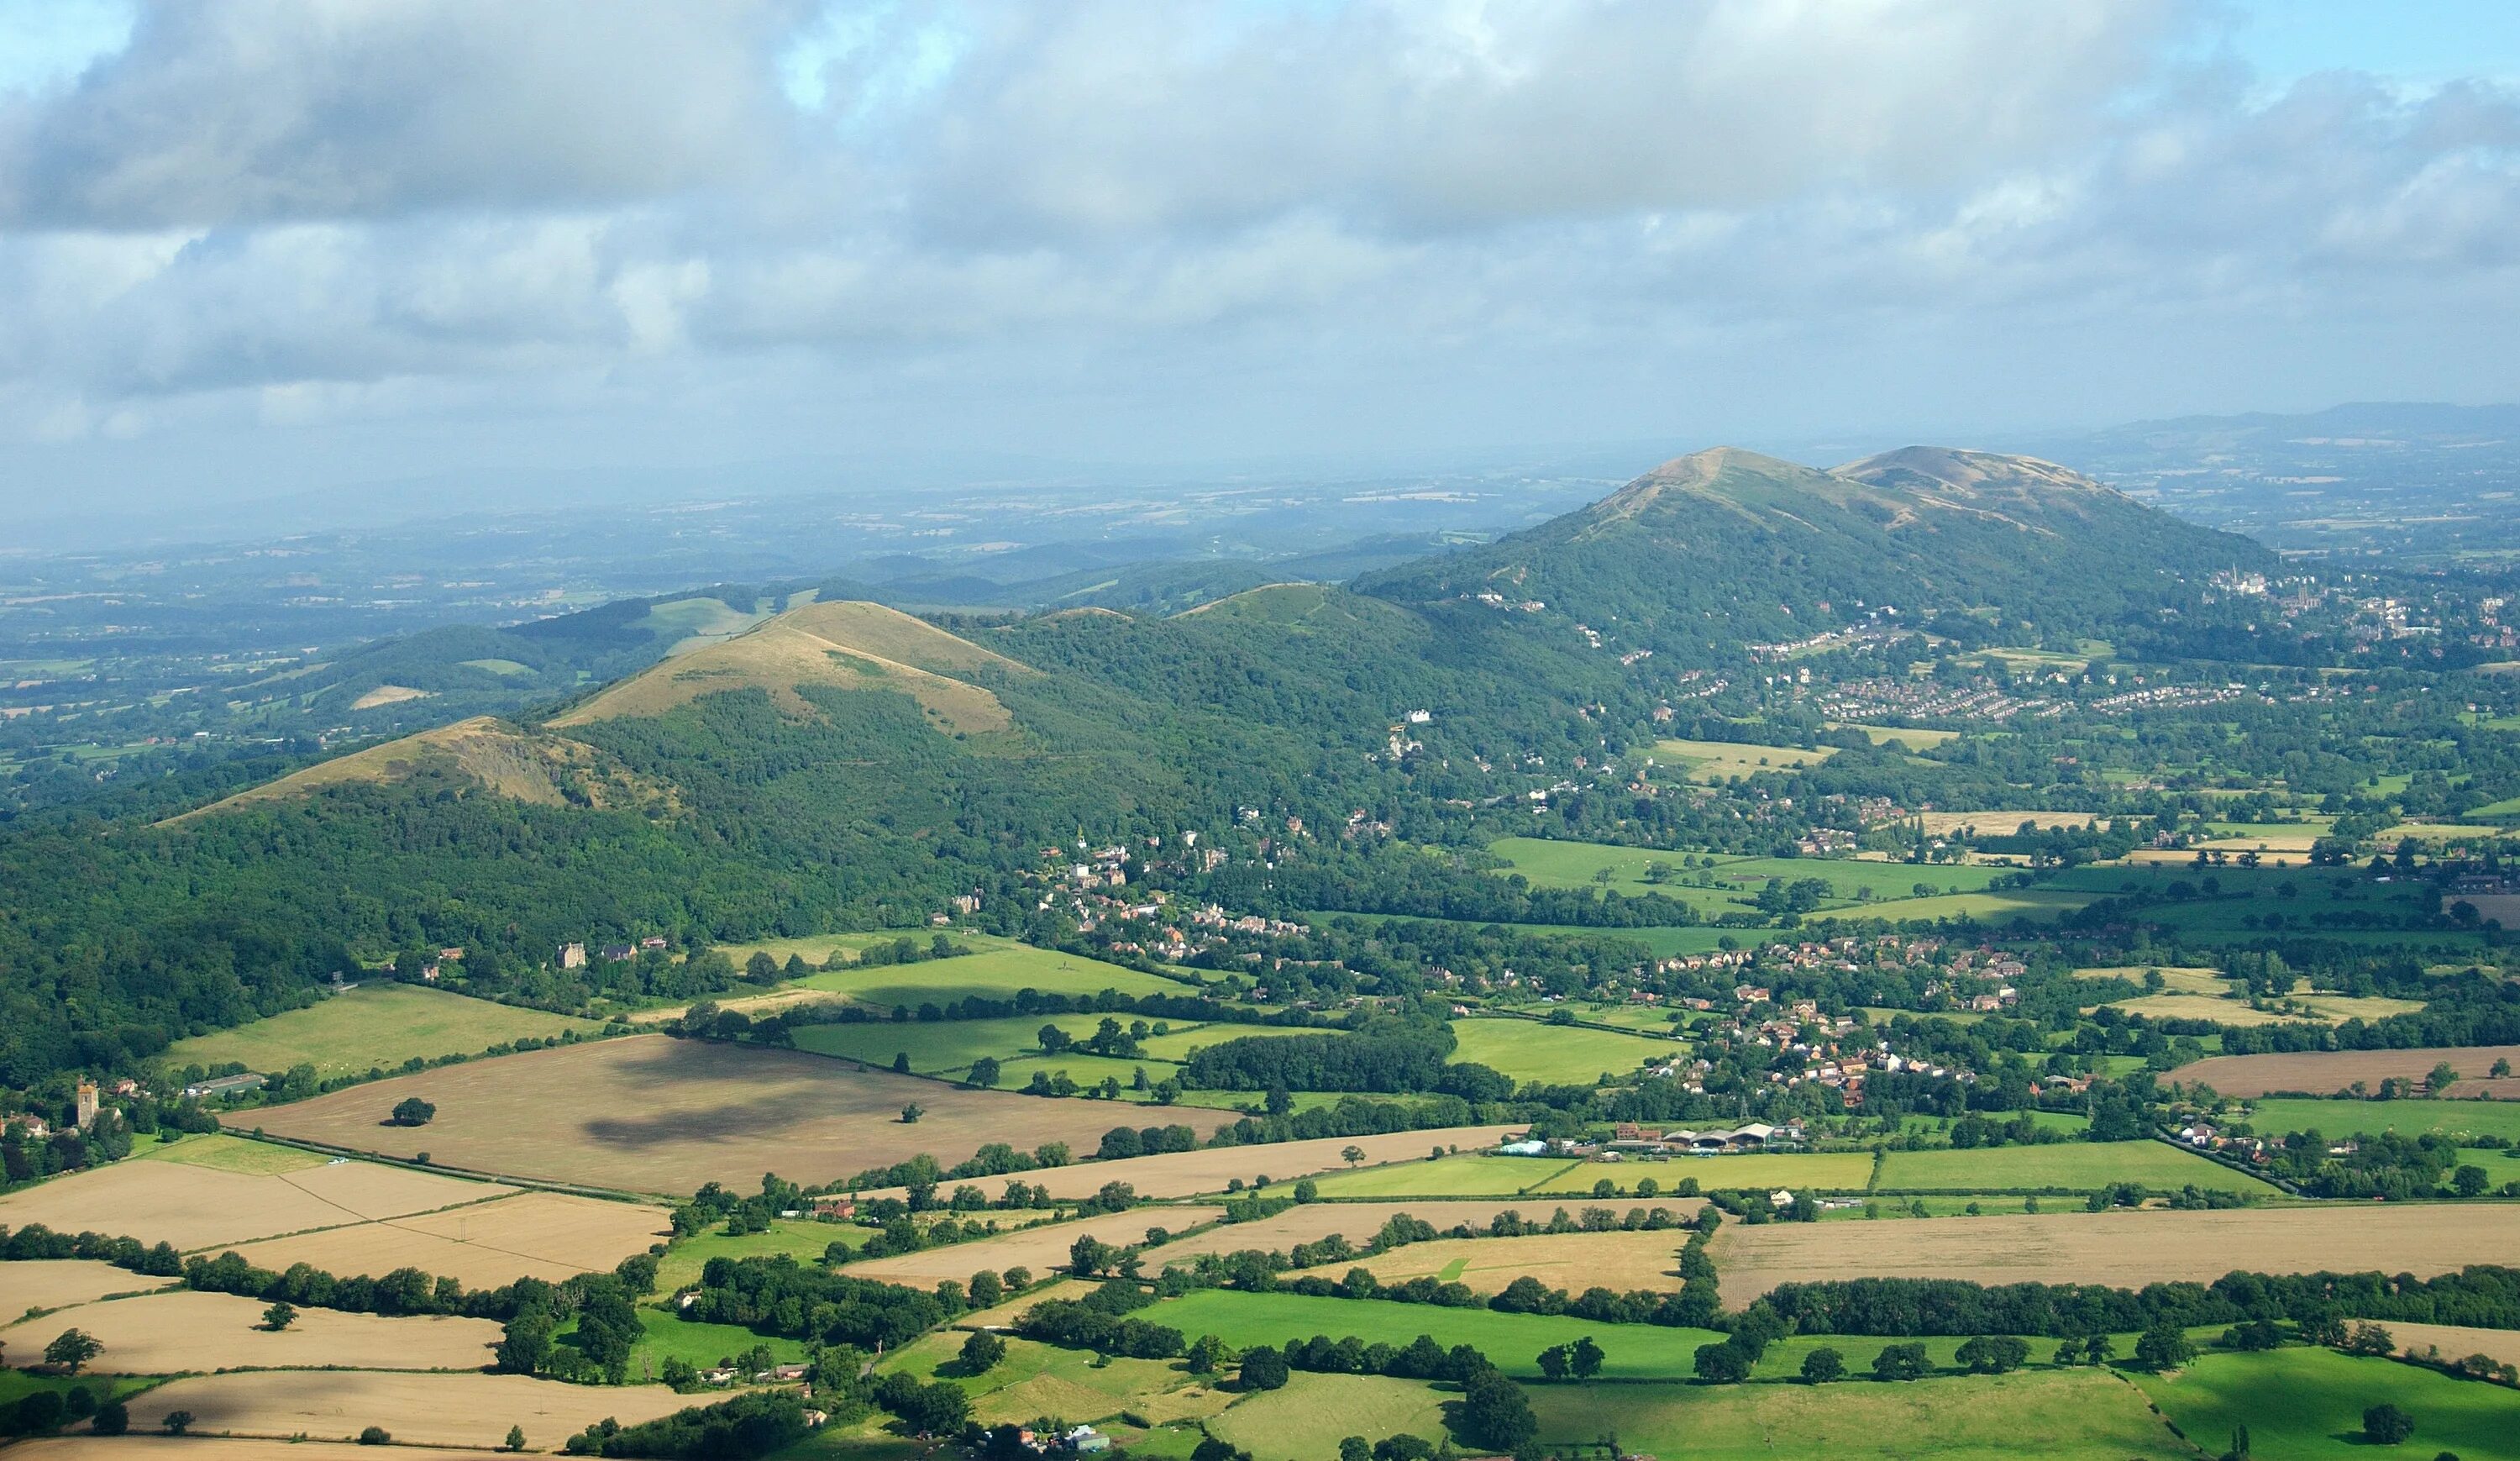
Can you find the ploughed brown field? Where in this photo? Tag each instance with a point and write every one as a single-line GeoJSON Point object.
{"type": "Point", "coordinates": [1358, 1222]}
{"type": "Point", "coordinates": [1573, 1261]}
{"type": "Point", "coordinates": [58, 1283]}
{"type": "Point", "coordinates": [1207, 1171]}
{"type": "Point", "coordinates": [194, 1207]}
{"type": "Point", "coordinates": [2126, 1249]}
{"type": "Point", "coordinates": [654, 1114]}
{"type": "Point", "coordinates": [2322, 1072]}
{"type": "Point", "coordinates": [186, 1332]}
{"type": "Point", "coordinates": [547, 1235]}
{"type": "Point", "coordinates": [1040, 1248]}
{"type": "Point", "coordinates": [416, 1409]}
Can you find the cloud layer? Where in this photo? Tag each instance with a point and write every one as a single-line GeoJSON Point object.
{"type": "Point", "coordinates": [1162, 229]}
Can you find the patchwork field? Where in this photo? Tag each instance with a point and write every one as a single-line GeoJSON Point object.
{"type": "Point", "coordinates": [58, 1283]}
{"type": "Point", "coordinates": [2075, 1415]}
{"type": "Point", "coordinates": [420, 1409]}
{"type": "Point", "coordinates": [1573, 1261]}
{"type": "Point", "coordinates": [2320, 1072]}
{"type": "Point", "coordinates": [804, 1239]}
{"type": "Point", "coordinates": [2463, 1119]}
{"type": "Point", "coordinates": [651, 1113]}
{"type": "Point", "coordinates": [2077, 1166]}
{"type": "Point", "coordinates": [546, 1235]}
{"type": "Point", "coordinates": [1040, 1248]}
{"type": "Point", "coordinates": [2123, 1248]}
{"type": "Point", "coordinates": [1554, 1054]}
{"type": "Point", "coordinates": [1078, 1385]}
{"type": "Point", "coordinates": [185, 1332]}
{"type": "Point", "coordinates": [1308, 1418]}
{"type": "Point", "coordinates": [1454, 1176]}
{"type": "Point", "coordinates": [1356, 1221]}
{"type": "Point", "coordinates": [1207, 1171]}
{"type": "Point", "coordinates": [379, 1025]}
{"type": "Point", "coordinates": [194, 1207]}
{"type": "Point", "coordinates": [944, 1047]}
{"type": "Point", "coordinates": [1804, 1171]}
{"type": "Point", "coordinates": [1636, 1351]}
{"type": "Point", "coordinates": [2309, 1403]}
{"type": "Point", "coordinates": [996, 969]}
{"type": "Point", "coordinates": [1719, 760]}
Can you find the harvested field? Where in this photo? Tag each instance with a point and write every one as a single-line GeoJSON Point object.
{"type": "Point", "coordinates": [1041, 1248]}
{"type": "Point", "coordinates": [155, 1447]}
{"type": "Point", "coordinates": [450, 1410]}
{"type": "Point", "coordinates": [1945, 823]}
{"type": "Point", "coordinates": [1822, 1171]}
{"type": "Point", "coordinates": [653, 1114]}
{"type": "Point", "coordinates": [1193, 1173]}
{"type": "Point", "coordinates": [545, 1235]}
{"type": "Point", "coordinates": [186, 1332]}
{"type": "Point", "coordinates": [194, 1207]}
{"type": "Point", "coordinates": [2458, 1342]}
{"type": "Point", "coordinates": [2325, 1071]}
{"type": "Point", "coordinates": [2123, 1248]}
{"type": "Point", "coordinates": [1310, 1415]}
{"type": "Point", "coordinates": [1573, 1261]}
{"type": "Point", "coordinates": [58, 1283]}
{"type": "Point", "coordinates": [1359, 1221]}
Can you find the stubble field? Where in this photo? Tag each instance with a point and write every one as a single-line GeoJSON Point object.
{"type": "Point", "coordinates": [653, 1114]}
{"type": "Point", "coordinates": [1200, 1172]}
{"type": "Point", "coordinates": [1573, 1261]}
{"type": "Point", "coordinates": [58, 1283]}
{"type": "Point", "coordinates": [1041, 1248]}
{"type": "Point", "coordinates": [186, 1332]}
{"type": "Point", "coordinates": [1358, 1222]}
{"type": "Point", "coordinates": [194, 1207]}
{"type": "Point", "coordinates": [416, 1409]}
{"type": "Point", "coordinates": [546, 1235]}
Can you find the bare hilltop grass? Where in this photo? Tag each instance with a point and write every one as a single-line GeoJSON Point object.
{"type": "Point", "coordinates": [59, 1282]}
{"type": "Point", "coordinates": [1207, 1171]}
{"type": "Point", "coordinates": [2322, 1072]}
{"type": "Point", "coordinates": [187, 1332]}
{"type": "Point", "coordinates": [1040, 1248]}
{"type": "Point", "coordinates": [2127, 1249]}
{"type": "Point", "coordinates": [497, 756]}
{"type": "Point", "coordinates": [197, 1206]}
{"type": "Point", "coordinates": [653, 1114]}
{"type": "Point", "coordinates": [1573, 1261]}
{"type": "Point", "coordinates": [546, 1235]}
{"type": "Point", "coordinates": [416, 1409]}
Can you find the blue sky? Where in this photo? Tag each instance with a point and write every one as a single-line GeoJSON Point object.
{"type": "Point", "coordinates": [272, 246]}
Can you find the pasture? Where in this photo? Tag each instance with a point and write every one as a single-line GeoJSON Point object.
{"type": "Point", "coordinates": [1307, 1419]}
{"type": "Point", "coordinates": [2125, 1246]}
{"type": "Point", "coordinates": [804, 1239]}
{"type": "Point", "coordinates": [2301, 1402]}
{"type": "Point", "coordinates": [2073, 1166]}
{"type": "Point", "coordinates": [1207, 1171]}
{"type": "Point", "coordinates": [1454, 1176]}
{"type": "Point", "coordinates": [1634, 1351]}
{"type": "Point", "coordinates": [1554, 1054]}
{"type": "Point", "coordinates": [378, 1026]}
{"type": "Point", "coordinates": [2462, 1119]}
{"type": "Point", "coordinates": [996, 969]}
{"type": "Point", "coordinates": [184, 1332]}
{"type": "Point", "coordinates": [1041, 1248]}
{"type": "Point", "coordinates": [546, 1235]}
{"type": "Point", "coordinates": [422, 1409]}
{"type": "Point", "coordinates": [2324, 1072]}
{"type": "Point", "coordinates": [1905, 738]}
{"type": "Point", "coordinates": [1035, 1379]}
{"type": "Point", "coordinates": [942, 1047]}
{"type": "Point", "coordinates": [197, 1206]}
{"type": "Point", "coordinates": [1804, 1171]}
{"type": "Point", "coordinates": [1551, 863]}
{"type": "Point", "coordinates": [651, 1113]}
{"type": "Point", "coordinates": [1573, 1261]}
{"type": "Point", "coordinates": [1721, 760]}
{"type": "Point", "coordinates": [2074, 1415]}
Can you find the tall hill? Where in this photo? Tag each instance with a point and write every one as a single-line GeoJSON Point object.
{"type": "Point", "coordinates": [1724, 547]}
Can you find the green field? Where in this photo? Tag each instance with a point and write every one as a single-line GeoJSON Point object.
{"type": "Point", "coordinates": [2465, 1120]}
{"type": "Point", "coordinates": [1454, 1176]}
{"type": "Point", "coordinates": [702, 1346]}
{"type": "Point", "coordinates": [1551, 863]}
{"type": "Point", "coordinates": [1554, 1054]}
{"type": "Point", "coordinates": [377, 1025]}
{"type": "Point", "coordinates": [940, 1047]}
{"type": "Point", "coordinates": [221, 1151]}
{"type": "Point", "coordinates": [1184, 1038]}
{"type": "Point", "coordinates": [802, 1239]}
{"type": "Point", "coordinates": [2071, 1415]}
{"type": "Point", "coordinates": [1634, 1351]}
{"type": "Point", "coordinates": [1822, 1171]}
{"type": "Point", "coordinates": [1307, 1419]}
{"type": "Point", "coordinates": [2077, 1166]}
{"type": "Point", "coordinates": [997, 969]}
{"type": "Point", "coordinates": [2306, 1404]}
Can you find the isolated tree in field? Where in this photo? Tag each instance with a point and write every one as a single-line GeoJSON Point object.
{"type": "Point", "coordinates": [1494, 1412]}
{"type": "Point", "coordinates": [1352, 1155]}
{"type": "Point", "coordinates": [516, 1437]}
{"type": "Point", "coordinates": [1553, 1362]}
{"type": "Point", "coordinates": [2163, 1347]}
{"type": "Point", "coordinates": [2387, 1425]}
{"type": "Point", "coordinates": [1089, 1256]}
{"type": "Point", "coordinates": [2441, 1079]}
{"type": "Point", "coordinates": [278, 1316]}
{"type": "Point", "coordinates": [2469, 1182]}
{"type": "Point", "coordinates": [984, 1073]}
{"type": "Point", "coordinates": [1054, 1039]}
{"type": "Point", "coordinates": [1823, 1366]}
{"type": "Point", "coordinates": [2098, 1349]}
{"type": "Point", "coordinates": [411, 1111]}
{"type": "Point", "coordinates": [1902, 1362]}
{"type": "Point", "coordinates": [2240, 1446]}
{"type": "Point", "coordinates": [982, 1351]}
{"type": "Point", "coordinates": [1264, 1368]}
{"type": "Point", "coordinates": [375, 1436]}
{"type": "Point", "coordinates": [1721, 1363]}
{"type": "Point", "coordinates": [911, 1113]}
{"type": "Point", "coordinates": [72, 1348]}
{"type": "Point", "coordinates": [1586, 1357]}
{"type": "Point", "coordinates": [761, 969]}
{"type": "Point", "coordinates": [177, 1422]}
{"type": "Point", "coordinates": [901, 1063]}
{"type": "Point", "coordinates": [1207, 1355]}
{"type": "Point", "coordinates": [112, 1418]}
{"type": "Point", "coordinates": [1355, 1449]}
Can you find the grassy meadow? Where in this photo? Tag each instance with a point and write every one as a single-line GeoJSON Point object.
{"type": "Point", "coordinates": [2079, 1166]}
{"type": "Point", "coordinates": [2465, 1120]}
{"type": "Point", "coordinates": [1822, 1171]}
{"type": "Point", "coordinates": [1634, 1351]}
{"type": "Point", "coordinates": [380, 1024]}
{"type": "Point", "coordinates": [1554, 1054]}
{"type": "Point", "coordinates": [2307, 1403]}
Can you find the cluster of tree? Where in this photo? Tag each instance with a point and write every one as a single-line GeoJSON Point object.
{"type": "Point", "coordinates": [2382, 1164]}
{"type": "Point", "coordinates": [2484, 1295]}
{"type": "Point", "coordinates": [753, 1424]}
{"type": "Point", "coordinates": [779, 1296]}
{"type": "Point", "coordinates": [1387, 1053]}
{"type": "Point", "coordinates": [1494, 1412]}
{"type": "Point", "coordinates": [41, 1411]}
{"type": "Point", "coordinates": [1101, 1322]}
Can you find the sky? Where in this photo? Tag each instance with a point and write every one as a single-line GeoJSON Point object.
{"type": "Point", "coordinates": [356, 248]}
